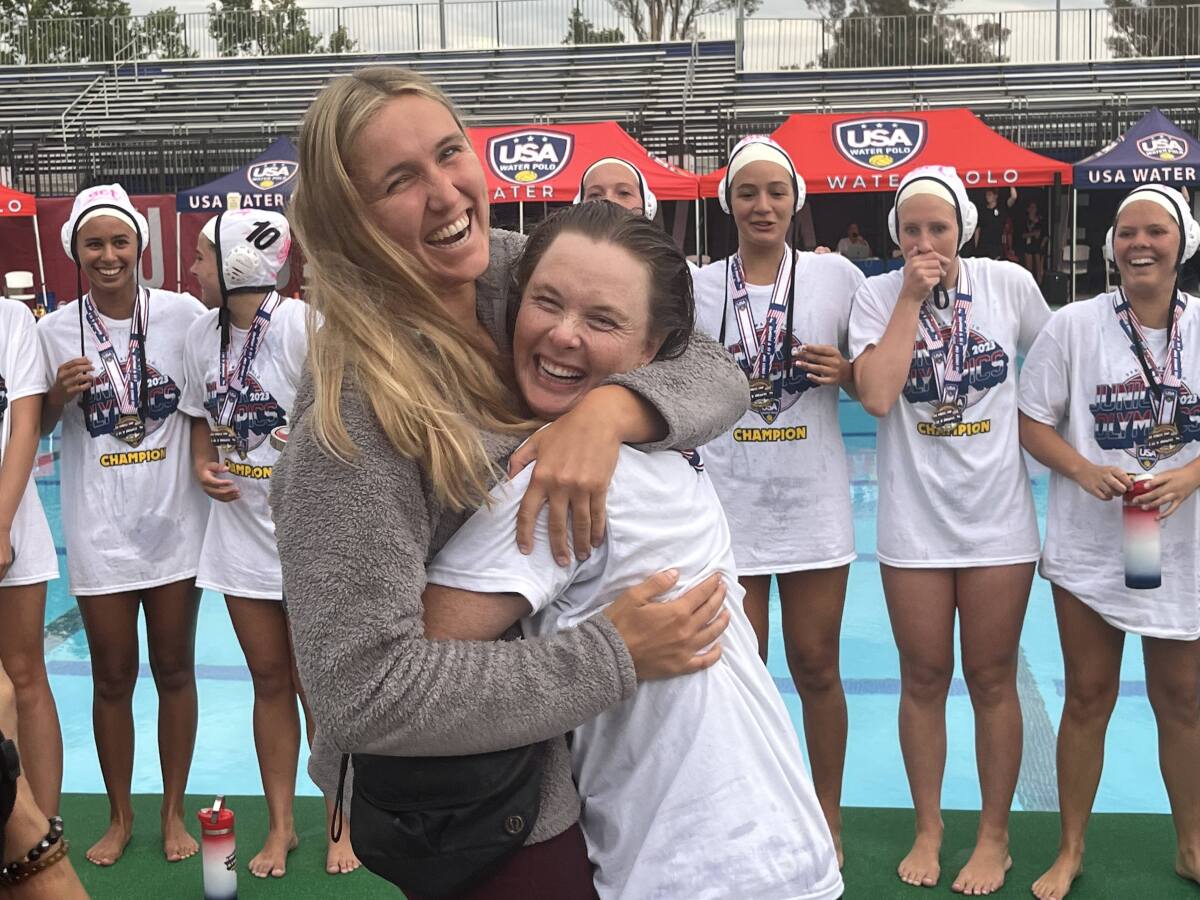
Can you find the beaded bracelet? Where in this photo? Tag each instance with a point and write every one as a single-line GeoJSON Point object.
{"type": "Point", "coordinates": [49, 850]}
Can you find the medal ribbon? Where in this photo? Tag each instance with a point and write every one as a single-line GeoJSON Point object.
{"type": "Point", "coordinates": [948, 368]}
{"type": "Point", "coordinates": [1165, 381]}
{"type": "Point", "coordinates": [125, 388]}
{"type": "Point", "coordinates": [232, 382]}
{"type": "Point", "coordinates": [759, 365]}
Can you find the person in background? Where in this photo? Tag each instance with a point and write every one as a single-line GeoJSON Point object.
{"type": "Point", "coordinates": [989, 238]}
{"type": "Point", "coordinates": [1033, 241]}
{"type": "Point", "coordinates": [854, 245]}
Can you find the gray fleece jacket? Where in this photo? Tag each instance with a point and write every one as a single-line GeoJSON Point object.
{"type": "Point", "coordinates": [354, 540]}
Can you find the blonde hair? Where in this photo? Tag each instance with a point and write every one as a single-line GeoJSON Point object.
{"type": "Point", "coordinates": [432, 385]}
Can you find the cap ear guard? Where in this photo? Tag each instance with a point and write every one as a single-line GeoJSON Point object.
{"type": "Point", "coordinates": [725, 188]}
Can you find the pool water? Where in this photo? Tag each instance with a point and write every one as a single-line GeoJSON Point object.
{"type": "Point", "coordinates": [225, 761]}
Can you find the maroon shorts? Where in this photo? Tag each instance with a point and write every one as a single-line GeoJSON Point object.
{"type": "Point", "coordinates": [557, 868]}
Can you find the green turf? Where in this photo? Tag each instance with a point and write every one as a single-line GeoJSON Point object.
{"type": "Point", "coordinates": [1129, 856]}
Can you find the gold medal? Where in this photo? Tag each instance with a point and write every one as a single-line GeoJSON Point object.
{"type": "Point", "coordinates": [223, 437]}
{"type": "Point", "coordinates": [1164, 439]}
{"type": "Point", "coordinates": [279, 438]}
{"type": "Point", "coordinates": [947, 415]}
{"type": "Point", "coordinates": [762, 394]}
{"type": "Point", "coordinates": [130, 429]}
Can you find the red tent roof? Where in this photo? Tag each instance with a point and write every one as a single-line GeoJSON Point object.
{"type": "Point", "coordinates": [865, 152]}
{"type": "Point", "coordinates": [14, 203]}
{"type": "Point", "coordinates": [546, 162]}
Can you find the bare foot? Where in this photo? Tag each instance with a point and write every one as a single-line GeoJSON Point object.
{"type": "Point", "coordinates": [985, 870]}
{"type": "Point", "coordinates": [1187, 865]}
{"type": "Point", "coordinates": [340, 858]}
{"type": "Point", "coordinates": [921, 867]}
{"type": "Point", "coordinates": [1057, 881]}
{"type": "Point", "coordinates": [272, 858]}
{"type": "Point", "coordinates": [177, 843]}
{"type": "Point", "coordinates": [109, 848]}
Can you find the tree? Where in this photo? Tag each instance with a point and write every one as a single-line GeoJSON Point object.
{"type": "Point", "coordinates": [272, 28]}
{"type": "Point", "coordinates": [673, 20]}
{"type": "Point", "coordinates": [60, 31]}
{"type": "Point", "coordinates": [161, 36]}
{"type": "Point", "coordinates": [904, 32]}
{"type": "Point", "coordinates": [580, 30]}
{"type": "Point", "coordinates": [1156, 28]}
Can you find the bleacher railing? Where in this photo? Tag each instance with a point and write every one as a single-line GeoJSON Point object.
{"type": "Point", "coordinates": [1020, 36]}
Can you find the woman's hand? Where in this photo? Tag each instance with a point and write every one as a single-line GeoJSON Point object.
{"type": "Point", "coordinates": [6, 552]}
{"type": "Point", "coordinates": [1102, 482]}
{"type": "Point", "coordinates": [1170, 489]}
{"type": "Point", "coordinates": [576, 456]}
{"type": "Point", "coordinates": [921, 272]}
{"type": "Point", "coordinates": [73, 378]}
{"type": "Point", "coordinates": [826, 365]}
{"type": "Point", "coordinates": [211, 482]}
{"type": "Point", "coordinates": [673, 637]}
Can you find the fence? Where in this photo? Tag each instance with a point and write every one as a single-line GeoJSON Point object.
{"type": "Point", "coordinates": [1021, 36]}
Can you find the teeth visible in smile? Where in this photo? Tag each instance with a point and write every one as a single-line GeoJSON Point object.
{"type": "Point", "coordinates": [115, 271]}
{"type": "Point", "coordinates": [1141, 261]}
{"type": "Point", "coordinates": [446, 232]}
{"type": "Point", "coordinates": [559, 371]}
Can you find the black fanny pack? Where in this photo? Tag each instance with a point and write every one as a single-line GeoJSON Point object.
{"type": "Point", "coordinates": [438, 825]}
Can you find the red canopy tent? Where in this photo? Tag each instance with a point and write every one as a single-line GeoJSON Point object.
{"type": "Point", "coordinates": [866, 152]}
{"type": "Point", "coordinates": [14, 203]}
{"type": "Point", "coordinates": [546, 162]}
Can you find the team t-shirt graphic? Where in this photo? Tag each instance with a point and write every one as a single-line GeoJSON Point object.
{"type": "Point", "coordinates": [987, 367]}
{"type": "Point", "coordinates": [788, 388]}
{"type": "Point", "coordinates": [3, 399]}
{"type": "Point", "coordinates": [100, 410]}
{"type": "Point", "coordinates": [255, 416]}
{"type": "Point", "coordinates": [1124, 413]}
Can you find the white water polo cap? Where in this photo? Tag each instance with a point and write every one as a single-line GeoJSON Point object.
{"type": "Point", "coordinates": [1175, 204]}
{"type": "Point", "coordinates": [252, 246]}
{"type": "Point", "coordinates": [649, 201]}
{"type": "Point", "coordinates": [759, 148]}
{"type": "Point", "coordinates": [102, 200]}
{"type": "Point", "coordinates": [941, 182]}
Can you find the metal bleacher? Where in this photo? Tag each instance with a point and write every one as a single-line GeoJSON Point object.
{"type": "Point", "coordinates": [684, 99]}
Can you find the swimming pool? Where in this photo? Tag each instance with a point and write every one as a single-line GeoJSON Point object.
{"type": "Point", "coordinates": [225, 760]}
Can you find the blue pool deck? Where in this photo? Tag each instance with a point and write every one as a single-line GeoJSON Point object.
{"type": "Point", "coordinates": [225, 761]}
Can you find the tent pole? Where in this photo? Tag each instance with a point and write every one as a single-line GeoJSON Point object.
{"type": "Point", "coordinates": [37, 243]}
{"type": "Point", "coordinates": [521, 217]}
{"type": "Point", "coordinates": [699, 258]}
{"type": "Point", "coordinates": [178, 257]}
{"type": "Point", "coordinates": [1074, 231]}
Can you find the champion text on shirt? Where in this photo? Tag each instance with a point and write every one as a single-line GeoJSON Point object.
{"type": "Point", "coordinates": [768, 435]}
{"type": "Point", "coordinates": [962, 429]}
{"type": "Point", "coordinates": [133, 457]}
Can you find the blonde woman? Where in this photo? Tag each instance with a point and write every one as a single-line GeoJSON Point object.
{"type": "Point", "coordinates": [398, 438]}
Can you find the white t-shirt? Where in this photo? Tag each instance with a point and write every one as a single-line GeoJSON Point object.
{"type": "Point", "coordinates": [769, 467]}
{"type": "Point", "coordinates": [695, 786]}
{"type": "Point", "coordinates": [958, 497]}
{"type": "Point", "coordinates": [239, 556]}
{"type": "Point", "coordinates": [133, 517]}
{"type": "Point", "coordinates": [21, 375]}
{"type": "Point", "coordinates": [1082, 378]}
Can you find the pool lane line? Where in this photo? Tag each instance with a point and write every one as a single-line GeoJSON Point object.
{"type": "Point", "coordinates": [61, 628]}
{"type": "Point", "coordinates": [1037, 783]}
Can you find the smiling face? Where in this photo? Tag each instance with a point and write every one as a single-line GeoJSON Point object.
{"type": "Point", "coordinates": [107, 248]}
{"type": "Point", "coordinates": [424, 188]}
{"type": "Point", "coordinates": [204, 267]}
{"type": "Point", "coordinates": [1146, 246]}
{"type": "Point", "coordinates": [763, 204]}
{"type": "Point", "coordinates": [613, 181]}
{"type": "Point", "coordinates": [585, 315]}
{"type": "Point", "coordinates": [927, 223]}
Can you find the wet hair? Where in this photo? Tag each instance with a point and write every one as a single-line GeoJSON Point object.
{"type": "Point", "coordinates": [672, 306]}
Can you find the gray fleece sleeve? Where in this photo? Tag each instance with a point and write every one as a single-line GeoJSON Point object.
{"type": "Point", "coordinates": [700, 394]}
{"type": "Point", "coordinates": [353, 542]}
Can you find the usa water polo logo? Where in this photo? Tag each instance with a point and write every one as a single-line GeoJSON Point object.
{"type": "Point", "coordinates": [272, 174]}
{"type": "Point", "coordinates": [879, 144]}
{"type": "Point", "coordinates": [527, 157]}
{"type": "Point", "coordinates": [100, 411]}
{"type": "Point", "coordinates": [1123, 414]}
{"type": "Point", "coordinates": [987, 366]}
{"type": "Point", "coordinates": [1162, 147]}
{"type": "Point", "coordinates": [788, 388]}
{"type": "Point", "coordinates": [256, 415]}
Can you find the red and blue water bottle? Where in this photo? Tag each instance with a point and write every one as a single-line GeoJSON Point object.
{"type": "Point", "coordinates": [218, 852]}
